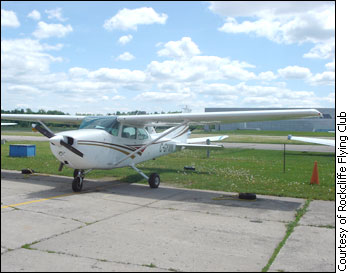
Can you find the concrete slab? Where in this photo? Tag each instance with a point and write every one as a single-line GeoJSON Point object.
{"type": "Point", "coordinates": [116, 226]}
{"type": "Point", "coordinates": [308, 249]}
{"type": "Point", "coordinates": [264, 208]}
{"type": "Point", "coordinates": [20, 227]}
{"type": "Point", "coordinates": [48, 262]}
{"type": "Point", "coordinates": [319, 213]}
{"type": "Point", "coordinates": [181, 240]}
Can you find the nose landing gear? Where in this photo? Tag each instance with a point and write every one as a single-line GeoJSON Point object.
{"type": "Point", "coordinates": [77, 184]}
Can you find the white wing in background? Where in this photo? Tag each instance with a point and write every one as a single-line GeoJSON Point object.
{"type": "Point", "coordinates": [7, 124]}
{"type": "Point", "coordinates": [63, 119]}
{"type": "Point", "coordinates": [328, 142]}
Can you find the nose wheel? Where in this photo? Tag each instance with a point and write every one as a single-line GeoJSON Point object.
{"type": "Point", "coordinates": [77, 184]}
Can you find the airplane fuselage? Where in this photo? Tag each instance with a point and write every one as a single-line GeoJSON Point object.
{"type": "Point", "coordinates": [102, 150]}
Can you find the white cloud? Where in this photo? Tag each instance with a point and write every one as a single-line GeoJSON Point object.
{"type": "Point", "coordinates": [117, 97]}
{"type": "Point", "coordinates": [187, 66]}
{"type": "Point", "coordinates": [294, 72]}
{"type": "Point", "coordinates": [24, 58]}
{"type": "Point", "coordinates": [9, 18]}
{"type": "Point", "coordinates": [325, 78]}
{"type": "Point", "coordinates": [184, 48]}
{"type": "Point", "coordinates": [126, 56]}
{"type": "Point", "coordinates": [55, 14]}
{"type": "Point", "coordinates": [280, 21]}
{"type": "Point", "coordinates": [125, 39]}
{"type": "Point", "coordinates": [35, 15]}
{"type": "Point", "coordinates": [260, 8]}
{"type": "Point", "coordinates": [22, 89]}
{"type": "Point", "coordinates": [45, 30]}
{"type": "Point", "coordinates": [322, 51]}
{"type": "Point", "coordinates": [267, 76]}
{"type": "Point", "coordinates": [178, 97]}
{"type": "Point", "coordinates": [78, 72]}
{"type": "Point", "coordinates": [330, 66]}
{"type": "Point", "coordinates": [118, 75]}
{"type": "Point", "coordinates": [127, 19]}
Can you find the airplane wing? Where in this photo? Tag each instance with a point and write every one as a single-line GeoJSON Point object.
{"type": "Point", "coordinates": [328, 142]}
{"type": "Point", "coordinates": [189, 118]}
{"type": "Point", "coordinates": [219, 117]}
{"type": "Point", "coordinates": [64, 119]}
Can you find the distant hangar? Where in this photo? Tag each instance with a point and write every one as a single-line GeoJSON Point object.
{"type": "Point", "coordinates": [324, 124]}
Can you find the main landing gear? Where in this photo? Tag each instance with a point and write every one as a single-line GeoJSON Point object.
{"type": "Point", "coordinates": [153, 179]}
{"type": "Point", "coordinates": [79, 175]}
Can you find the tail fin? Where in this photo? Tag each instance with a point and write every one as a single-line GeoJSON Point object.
{"type": "Point", "coordinates": [180, 135]}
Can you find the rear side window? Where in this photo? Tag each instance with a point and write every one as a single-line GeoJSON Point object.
{"type": "Point", "coordinates": [129, 132]}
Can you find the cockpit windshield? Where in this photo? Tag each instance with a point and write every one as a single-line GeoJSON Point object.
{"type": "Point", "coordinates": [109, 124]}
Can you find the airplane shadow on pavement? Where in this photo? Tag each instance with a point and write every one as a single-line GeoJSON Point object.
{"type": "Point", "coordinates": [59, 185]}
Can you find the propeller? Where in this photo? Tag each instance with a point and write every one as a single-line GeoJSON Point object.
{"type": "Point", "coordinates": [58, 139]}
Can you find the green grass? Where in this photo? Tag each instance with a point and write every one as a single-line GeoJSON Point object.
{"type": "Point", "coordinates": [271, 137]}
{"type": "Point", "coordinates": [237, 136]}
{"type": "Point", "coordinates": [267, 133]}
{"type": "Point", "coordinates": [230, 170]}
{"type": "Point", "coordinates": [257, 139]}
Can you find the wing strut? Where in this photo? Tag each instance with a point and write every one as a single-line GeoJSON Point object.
{"type": "Point", "coordinates": [152, 142]}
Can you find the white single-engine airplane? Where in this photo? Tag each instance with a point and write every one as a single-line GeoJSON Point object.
{"type": "Point", "coordinates": [108, 142]}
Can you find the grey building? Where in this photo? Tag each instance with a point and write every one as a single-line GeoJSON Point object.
{"type": "Point", "coordinates": [327, 123]}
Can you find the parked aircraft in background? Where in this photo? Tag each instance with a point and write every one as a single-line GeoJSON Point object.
{"type": "Point", "coordinates": [7, 124]}
{"type": "Point", "coordinates": [328, 142]}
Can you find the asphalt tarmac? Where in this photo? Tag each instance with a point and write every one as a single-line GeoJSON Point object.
{"type": "Point", "coordinates": [115, 226]}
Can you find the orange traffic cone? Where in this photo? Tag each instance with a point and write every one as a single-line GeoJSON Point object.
{"type": "Point", "coordinates": [314, 177]}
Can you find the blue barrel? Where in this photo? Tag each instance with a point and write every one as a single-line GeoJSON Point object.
{"type": "Point", "coordinates": [22, 150]}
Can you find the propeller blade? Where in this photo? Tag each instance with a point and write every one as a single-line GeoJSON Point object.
{"type": "Point", "coordinates": [71, 148]}
{"type": "Point", "coordinates": [60, 167]}
{"type": "Point", "coordinates": [43, 131]}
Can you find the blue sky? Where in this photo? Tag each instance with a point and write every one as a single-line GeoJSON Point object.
{"type": "Point", "coordinates": [103, 57]}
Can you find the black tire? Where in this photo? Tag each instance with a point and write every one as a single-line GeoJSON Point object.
{"type": "Point", "coordinates": [154, 180]}
{"type": "Point", "coordinates": [77, 184]}
{"type": "Point", "coordinates": [247, 196]}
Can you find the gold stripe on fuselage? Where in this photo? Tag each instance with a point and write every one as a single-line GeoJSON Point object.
{"type": "Point", "coordinates": [100, 145]}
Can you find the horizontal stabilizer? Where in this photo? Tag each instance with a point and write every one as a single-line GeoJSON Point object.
{"type": "Point", "coordinates": [204, 139]}
{"type": "Point", "coordinates": [198, 146]}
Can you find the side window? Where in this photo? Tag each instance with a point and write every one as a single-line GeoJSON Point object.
{"type": "Point", "coordinates": [129, 132]}
{"type": "Point", "coordinates": [141, 134]}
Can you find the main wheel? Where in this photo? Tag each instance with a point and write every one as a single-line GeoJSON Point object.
{"type": "Point", "coordinates": [77, 184]}
{"type": "Point", "coordinates": [154, 180]}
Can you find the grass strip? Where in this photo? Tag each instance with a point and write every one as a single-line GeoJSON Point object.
{"type": "Point", "coordinates": [290, 228]}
